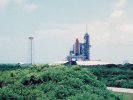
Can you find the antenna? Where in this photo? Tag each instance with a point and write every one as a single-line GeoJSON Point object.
{"type": "Point", "coordinates": [86, 28]}
{"type": "Point", "coordinates": [31, 49]}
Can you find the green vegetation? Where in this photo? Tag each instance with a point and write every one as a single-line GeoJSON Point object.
{"type": "Point", "coordinates": [114, 75]}
{"type": "Point", "coordinates": [4, 67]}
{"type": "Point", "coordinates": [46, 82]}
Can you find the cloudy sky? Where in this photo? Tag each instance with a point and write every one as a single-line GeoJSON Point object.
{"type": "Point", "coordinates": [56, 23]}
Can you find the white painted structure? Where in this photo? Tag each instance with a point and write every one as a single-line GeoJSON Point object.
{"type": "Point", "coordinates": [85, 63]}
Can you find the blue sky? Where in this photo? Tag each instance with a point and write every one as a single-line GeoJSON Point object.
{"type": "Point", "coordinates": [56, 23]}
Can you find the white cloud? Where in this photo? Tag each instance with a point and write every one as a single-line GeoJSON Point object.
{"type": "Point", "coordinates": [115, 30]}
{"type": "Point", "coordinates": [102, 32]}
{"type": "Point", "coordinates": [120, 4]}
{"type": "Point", "coordinates": [23, 4]}
{"type": "Point", "coordinates": [118, 14]}
{"type": "Point", "coordinates": [20, 2]}
{"type": "Point", "coordinates": [112, 31]}
{"type": "Point", "coordinates": [118, 10]}
{"type": "Point", "coordinates": [126, 28]}
{"type": "Point", "coordinates": [3, 3]}
{"type": "Point", "coordinates": [30, 7]}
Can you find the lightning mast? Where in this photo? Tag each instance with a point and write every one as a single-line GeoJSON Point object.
{"type": "Point", "coordinates": [31, 49]}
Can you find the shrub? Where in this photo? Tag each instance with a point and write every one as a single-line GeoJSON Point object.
{"type": "Point", "coordinates": [114, 75]}
{"type": "Point", "coordinates": [32, 80]}
{"type": "Point", "coordinates": [1, 83]}
{"type": "Point", "coordinates": [52, 83]}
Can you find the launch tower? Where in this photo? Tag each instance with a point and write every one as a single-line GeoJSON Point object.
{"type": "Point", "coordinates": [81, 51]}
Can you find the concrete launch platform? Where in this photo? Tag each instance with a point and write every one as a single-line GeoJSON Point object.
{"type": "Point", "coordinates": [85, 63]}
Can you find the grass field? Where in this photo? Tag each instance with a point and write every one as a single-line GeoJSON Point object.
{"type": "Point", "coordinates": [125, 96]}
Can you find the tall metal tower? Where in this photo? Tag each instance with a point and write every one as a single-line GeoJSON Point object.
{"type": "Point", "coordinates": [87, 45]}
{"type": "Point", "coordinates": [31, 49]}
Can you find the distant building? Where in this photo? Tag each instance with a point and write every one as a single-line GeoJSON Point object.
{"type": "Point", "coordinates": [81, 51]}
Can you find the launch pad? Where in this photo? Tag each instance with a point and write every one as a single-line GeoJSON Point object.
{"type": "Point", "coordinates": [81, 51]}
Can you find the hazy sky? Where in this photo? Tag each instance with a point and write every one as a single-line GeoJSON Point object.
{"type": "Point", "coordinates": [56, 23]}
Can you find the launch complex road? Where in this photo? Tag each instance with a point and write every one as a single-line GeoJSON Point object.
{"type": "Point", "coordinates": [124, 90]}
